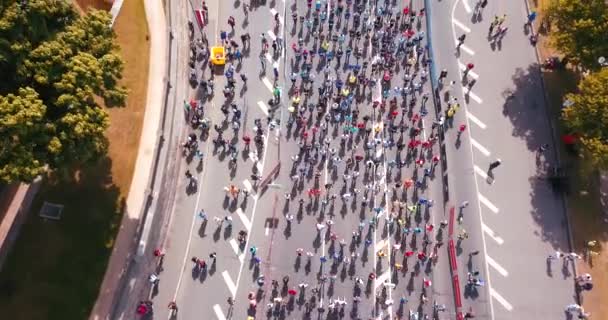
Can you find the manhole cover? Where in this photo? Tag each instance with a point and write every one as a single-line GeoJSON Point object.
{"type": "Point", "coordinates": [51, 211]}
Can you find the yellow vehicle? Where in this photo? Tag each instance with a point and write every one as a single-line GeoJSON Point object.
{"type": "Point", "coordinates": [218, 56]}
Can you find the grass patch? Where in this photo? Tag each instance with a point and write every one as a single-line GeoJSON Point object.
{"type": "Point", "coordinates": [126, 123]}
{"type": "Point", "coordinates": [54, 270]}
{"type": "Point", "coordinates": [584, 207]}
{"type": "Point", "coordinates": [56, 267]}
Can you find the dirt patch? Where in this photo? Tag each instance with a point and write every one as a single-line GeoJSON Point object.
{"type": "Point", "coordinates": [126, 123]}
{"type": "Point", "coordinates": [95, 4]}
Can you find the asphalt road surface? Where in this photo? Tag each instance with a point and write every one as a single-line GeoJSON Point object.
{"type": "Point", "coordinates": [354, 234]}
{"type": "Point", "coordinates": [515, 219]}
{"type": "Point", "coordinates": [317, 189]}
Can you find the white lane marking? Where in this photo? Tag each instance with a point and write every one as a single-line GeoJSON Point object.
{"type": "Point", "coordinates": [380, 280]}
{"type": "Point", "coordinates": [218, 312]}
{"type": "Point", "coordinates": [187, 251]}
{"type": "Point", "coordinates": [500, 299]}
{"type": "Point", "coordinates": [479, 212]}
{"type": "Point", "coordinates": [480, 172]}
{"type": "Point", "coordinates": [491, 234]}
{"type": "Point", "coordinates": [380, 245]}
{"type": "Point", "coordinates": [479, 147]}
{"type": "Point", "coordinates": [379, 152]}
{"type": "Point", "coordinates": [248, 186]}
{"type": "Point", "coordinates": [473, 96]}
{"type": "Point", "coordinates": [466, 49]}
{"type": "Point", "coordinates": [246, 221]}
{"type": "Point", "coordinates": [466, 5]}
{"type": "Point", "coordinates": [229, 282]}
{"type": "Point", "coordinates": [272, 35]}
{"type": "Point", "coordinates": [263, 107]}
{"type": "Point", "coordinates": [259, 167]}
{"type": "Point", "coordinates": [253, 211]}
{"type": "Point", "coordinates": [471, 73]}
{"type": "Point", "coordinates": [476, 120]}
{"type": "Point", "coordinates": [267, 83]}
{"type": "Point", "coordinates": [235, 246]}
{"type": "Point", "coordinates": [461, 26]}
{"type": "Point", "coordinates": [497, 266]}
{"type": "Point", "coordinates": [253, 157]}
{"type": "Point", "coordinates": [487, 203]}
{"type": "Point", "coordinates": [237, 250]}
{"type": "Point", "coordinates": [266, 231]}
{"type": "Point", "coordinates": [275, 64]}
{"type": "Point", "coordinates": [273, 12]}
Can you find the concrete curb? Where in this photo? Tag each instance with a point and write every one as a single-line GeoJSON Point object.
{"type": "Point", "coordinates": [115, 10]}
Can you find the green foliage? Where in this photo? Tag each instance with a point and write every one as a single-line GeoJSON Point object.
{"type": "Point", "coordinates": [588, 115]}
{"type": "Point", "coordinates": [59, 64]}
{"type": "Point", "coordinates": [582, 30]}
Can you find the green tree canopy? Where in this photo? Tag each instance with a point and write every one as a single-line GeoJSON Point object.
{"type": "Point", "coordinates": [56, 65]}
{"type": "Point", "coordinates": [588, 115]}
{"type": "Point", "coordinates": [582, 33]}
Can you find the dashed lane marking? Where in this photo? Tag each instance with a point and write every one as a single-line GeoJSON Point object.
{"type": "Point", "coordinates": [244, 219]}
{"type": "Point", "coordinates": [237, 251]}
{"type": "Point", "coordinates": [379, 152]}
{"type": "Point", "coordinates": [461, 26]}
{"type": "Point", "coordinates": [275, 64]}
{"type": "Point", "coordinates": [466, 5]}
{"type": "Point", "coordinates": [466, 49]}
{"type": "Point", "coordinates": [380, 245]}
{"type": "Point", "coordinates": [487, 203]}
{"type": "Point", "coordinates": [500, 299]}
{"type": "Point", "coordinates": [218, 312]}
{"type": "Point", "coordinates": [491, 234]}
{"type": "Point", "coordinates": [272, 35]}
{"type": "Point", "coordinates": [248, 186]}
{"type": "Point", "coordinates": [229, 282]}
{"type": "Point", "coordinates": [473, 96]}
{"type": "Point", "coordinates": [476, 120]}
{"type": "Point", "coordinates": [259, 167]}
{"type": "Point", "coordinates": [263, 107]}
{"type": "Point", "coordinates": [235, 246]}
{"type": "Point", "coordinates": [479, 147]}
{"type": "Point", "coordinates": [480, 172]}
{"type": "Point", "coordinates": [497, 266]}
{"type": "Point", "coordinates": [273, 11]}
{"type": "Point", "coordinates": [381, 279]}
{"type": "Point", "coordinates": [253, 157]}
{"type": "Point", "coordinates": [267, 83]}
{"type": "Point", "coordinates": [471, 73]}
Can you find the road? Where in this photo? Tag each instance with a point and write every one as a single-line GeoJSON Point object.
{"type": "Point", "coordinates": [514, 218]}
{"type": "Point", "coordinates": [328, 197]}
{"type": "Point", "coordinates": [277, 226]}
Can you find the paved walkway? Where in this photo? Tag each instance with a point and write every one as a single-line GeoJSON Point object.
{"type": "Point", "coordinates": [124, 248]}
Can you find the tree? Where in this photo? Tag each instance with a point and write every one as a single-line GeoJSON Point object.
{"type": "Point", "coordinates": [60, 66]}
{"type": "Point", "coordinates": [587, 116]}
{"type": "Point", "coordinates": [582, 30]}
{"type": "Point", "coordinates": [24, 135]}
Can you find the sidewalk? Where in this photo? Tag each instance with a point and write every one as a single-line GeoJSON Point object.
{"type": "Point", "coordinates": [126, 240]}
{"type": "Point", "coordinates": [16, 210]}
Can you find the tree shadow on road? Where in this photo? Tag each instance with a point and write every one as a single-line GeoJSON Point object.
{"type": "Point", "coordinates": [524, 105]}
